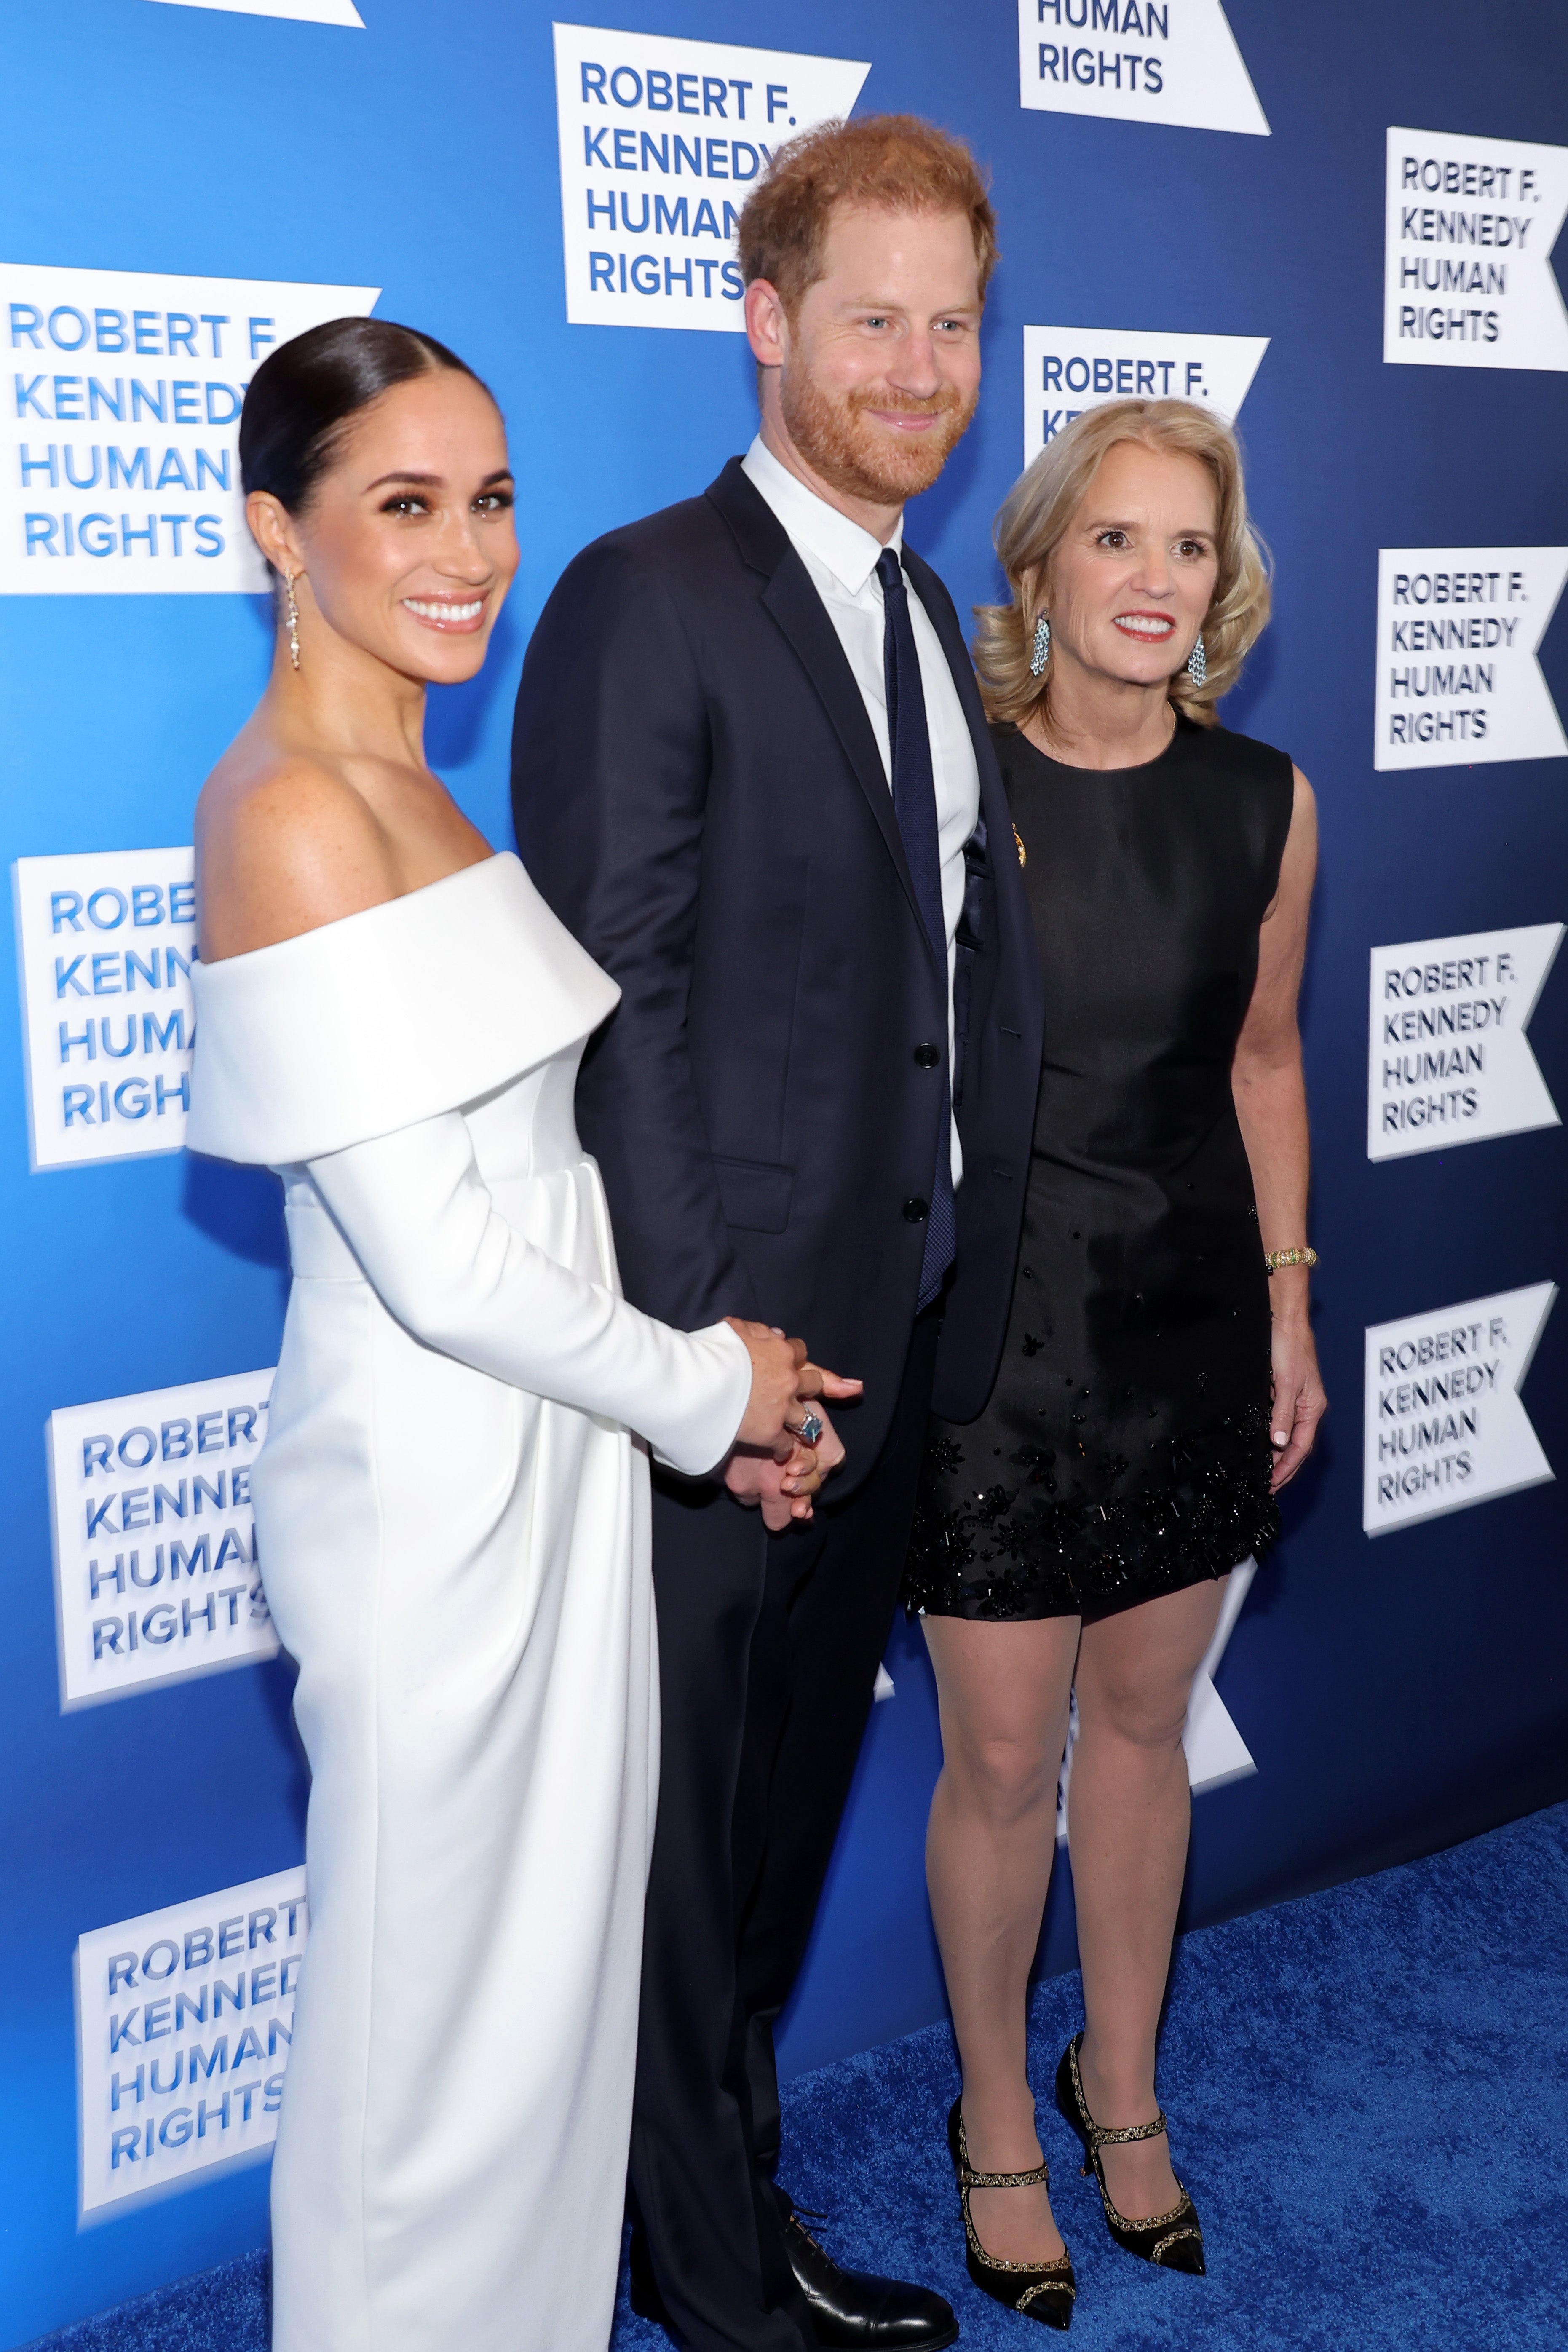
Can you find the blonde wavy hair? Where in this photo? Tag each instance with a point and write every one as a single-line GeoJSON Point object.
{"type": "Point", "coordinates": [1035, 516]}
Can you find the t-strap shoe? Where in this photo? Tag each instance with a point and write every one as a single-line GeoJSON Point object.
{"type": "Point", "coordinates": [1173, 2240]}
{"type": "Point", "coordinates": [1042, 2291]}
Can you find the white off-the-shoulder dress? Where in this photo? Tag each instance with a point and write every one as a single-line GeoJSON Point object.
{"type": "Point", "coordinates": [453, 1524]}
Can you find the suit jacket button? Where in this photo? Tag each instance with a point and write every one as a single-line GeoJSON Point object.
{"type": "Point", "coordinates": [916, 1211]}
{"type": "Point", "coordinates": [927, 1057]}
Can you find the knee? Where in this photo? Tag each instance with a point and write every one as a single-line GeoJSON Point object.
{"type": "Point", "coordinates": [1002, 1779]}
{"type": "Point", "coordinates": [1149, 1713]}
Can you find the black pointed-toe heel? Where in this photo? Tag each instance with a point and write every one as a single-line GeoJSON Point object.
{"type": "Point", "coordinates": [1042, 2291]}
{"type": "Point", "coordinates": [1173, 2240]}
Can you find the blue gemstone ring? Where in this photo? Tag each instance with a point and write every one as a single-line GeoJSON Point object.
{"type": "Point", "coordinates": [808, 1429]}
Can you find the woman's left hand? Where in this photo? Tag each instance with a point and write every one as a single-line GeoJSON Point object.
{"type": "Point", "coordinates": [1299, 1402]}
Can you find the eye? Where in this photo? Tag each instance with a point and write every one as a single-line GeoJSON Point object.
{"type": "Point", "coordinates": [876, 319]}
{"type": "Point", "coordinates": [494, 502]}
{"type": "Point", "coordinates": [1113, 539]}
{"type": "Point", "coordinates": [1194, 549]}
{"type": "Point", "coordinates": [405, 502]}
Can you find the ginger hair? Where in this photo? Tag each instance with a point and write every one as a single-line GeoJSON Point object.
{"type": "Point", "coordinates": [896, 162]}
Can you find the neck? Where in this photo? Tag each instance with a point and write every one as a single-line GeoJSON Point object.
{"type": "Point", "coordinates": [881, 521]}
{"type": "Point", "coordinates": [1089, 720]}
{"type": "Point", "coordinates": [343, 703]}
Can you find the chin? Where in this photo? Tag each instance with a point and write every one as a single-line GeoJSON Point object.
{"type": "Point", "coordinates": [449, 661]}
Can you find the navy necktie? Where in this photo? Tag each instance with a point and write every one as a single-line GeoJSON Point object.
{"type": "Point", "coordinates": [914, 805]}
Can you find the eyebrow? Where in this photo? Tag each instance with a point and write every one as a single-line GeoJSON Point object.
{"type": "Point", "coordinates": [433, 481]}
{"type": "Point", "coordinates": [1186, 530]}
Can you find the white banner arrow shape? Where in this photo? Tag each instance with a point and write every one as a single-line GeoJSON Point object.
{"type": "Point", "coordinates": [1447, 1057]}
{"type": "Point", "coordinates": [1445, 1427]}
{"type": "Point", "coordinates": [1467, 239]}
{"type": "Point", "coordinates": [1070, 369]}
{"type": "Point", "coordinates": [303, 12]}
{"type": "Point", "coordinates": [1171, 61]}
{"type": "Point", "coordinates": [1457, 680]}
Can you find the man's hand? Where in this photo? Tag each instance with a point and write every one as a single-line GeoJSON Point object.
{"type": "Point", "coordinates": [756, 1478]}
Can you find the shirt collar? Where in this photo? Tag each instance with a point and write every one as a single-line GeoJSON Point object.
{"type": "Point", "coordinates": [847, 550]}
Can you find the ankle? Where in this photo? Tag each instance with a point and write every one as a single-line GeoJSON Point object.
{"type": "Point", "coordinates": [1117, 2096]}
{"type": "Point", "coordinates": [999, 2118]}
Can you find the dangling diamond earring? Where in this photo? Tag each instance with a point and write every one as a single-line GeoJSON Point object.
{"type": "Point", "coordinates": [292, 615]}
{"type": "Point", "coordinates": [1198, 662]}
{"type": "Point", "coordinates": [1040, 652]}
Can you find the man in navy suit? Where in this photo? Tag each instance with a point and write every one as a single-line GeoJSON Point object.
{"type": "Point", "coordinates": [752, 773]}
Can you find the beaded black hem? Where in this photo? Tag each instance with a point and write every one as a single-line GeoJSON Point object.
{"type": "Point", "coordinates": [1021, 1549]}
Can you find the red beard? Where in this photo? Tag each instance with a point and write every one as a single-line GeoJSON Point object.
{"type": "Point", "coordinates": [857, 456]}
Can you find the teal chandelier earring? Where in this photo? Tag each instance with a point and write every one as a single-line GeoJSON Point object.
{"type": "Point", "coordinates": [1198, 662]}
{"type": "Point", "coordinates": [1040, 651]}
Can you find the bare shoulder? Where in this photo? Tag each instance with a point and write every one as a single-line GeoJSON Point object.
{"type": "Point", "coordinates": [283, 846]}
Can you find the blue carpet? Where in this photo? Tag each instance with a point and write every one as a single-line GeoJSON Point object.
{"type": "Point", "coordinates": [1369, 2094]}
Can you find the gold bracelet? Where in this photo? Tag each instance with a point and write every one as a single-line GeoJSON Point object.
{"type": "Point", "coordinates": [1274, 1259]}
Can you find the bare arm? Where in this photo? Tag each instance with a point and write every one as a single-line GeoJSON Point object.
{"type": "Point", "coordinates": [1271, 1107]}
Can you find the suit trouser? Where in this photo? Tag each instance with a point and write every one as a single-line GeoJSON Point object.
{"type": "Point", "coordinates": [768, 1649]}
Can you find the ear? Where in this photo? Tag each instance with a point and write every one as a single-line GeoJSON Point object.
{"type": "Point", "coordinates": [767, 326]}
{"type": "Point", "coordinates": [272, 529]}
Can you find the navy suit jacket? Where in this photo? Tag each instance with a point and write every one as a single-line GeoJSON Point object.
{"type": "Point", "coordinates": [700, 796]}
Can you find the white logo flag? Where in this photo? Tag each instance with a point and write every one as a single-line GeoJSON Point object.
{"type": "Point", "coordinates": [156, 1570]}
{"type": "Point", "coordinates": [184, 2022]}
{"type": "Point", "coordinates": [106, 942]}
{"type": "Point", "coordinates": [1172, 61]}
{"type": "Point", "coordinates": [303, 12]}
{"type": "Point", "coordinates": [1445, 1423]}
{"type": "Point", "coordinates": [661, 141]}
{"type": "Point", "coordinates": [120, 455]}
{"type": "Point", "coordinates": [1070, 369]}
{"type": "Point", "coordinates": [1457, 680]}
{"type": "Point", "coordinates": [1467, 277]}
{"type": "Point", "coordinates": [1447, 1057]}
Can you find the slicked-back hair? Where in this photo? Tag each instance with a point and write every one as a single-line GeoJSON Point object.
{"type": "Point", "coordinates": [304, 396]}
{"type": "Point", "coordinates": [1035, 517]}
{"type": "Point", "coordinates": [895, 161]}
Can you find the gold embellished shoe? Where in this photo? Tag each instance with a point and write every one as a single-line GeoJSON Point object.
{"type": "Point", "coordinates": [1173, 2240]}
{"type": "Point", "coordinates": [1042, 2291]}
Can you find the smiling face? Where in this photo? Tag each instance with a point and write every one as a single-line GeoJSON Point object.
{"type": "Point", "coordinates": [878, 371]}
{"type": "Point", "coordinates": [1127, 587]}
{"type": "Point", "coordinates": [406, 547]}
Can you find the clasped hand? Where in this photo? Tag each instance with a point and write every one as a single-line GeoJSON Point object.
{"type": "Point", "coordinates": [771, 1464]}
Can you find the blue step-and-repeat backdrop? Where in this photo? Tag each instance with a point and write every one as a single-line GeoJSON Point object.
{"type": "Point", "coordinates": [1334, 222]}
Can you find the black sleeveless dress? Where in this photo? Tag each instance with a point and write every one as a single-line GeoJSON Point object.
{"type": "Point", "coordinates": [1124, 1452]}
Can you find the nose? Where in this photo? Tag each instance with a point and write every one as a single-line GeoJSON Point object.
{"type": "Point", "coordinates": [915, 368]}
{"type": "Point", "coordinates": [1155, 571]}
{"type": "Point", "coordinates": [461, 553]}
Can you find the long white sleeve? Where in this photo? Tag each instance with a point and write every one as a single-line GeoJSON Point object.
{"type": "Point", "coordinates": [424, 1228]}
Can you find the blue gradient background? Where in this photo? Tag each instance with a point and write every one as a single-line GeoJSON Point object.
{"type": "Point", "coordinates": [1396, 1696]}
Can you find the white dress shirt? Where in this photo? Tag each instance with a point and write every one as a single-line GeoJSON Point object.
{"type": "Point", "coordinates": [841, 559]}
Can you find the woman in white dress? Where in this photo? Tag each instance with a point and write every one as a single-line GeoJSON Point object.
{"type": "Point", "coordinates": [451, 1507]}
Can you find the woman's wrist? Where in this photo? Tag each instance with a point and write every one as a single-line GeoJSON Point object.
{"type": "Point", "coordinates": [1289, 1296]}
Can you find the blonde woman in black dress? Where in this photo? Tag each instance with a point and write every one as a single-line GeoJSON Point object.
{"type": "Point", "coordinates": [1159, 1382]}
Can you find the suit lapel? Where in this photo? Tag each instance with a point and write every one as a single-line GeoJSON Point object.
{"type": "Point", "coordinates": [798, 610]}
{"type": "Point", "coordinates": [1014, 922]}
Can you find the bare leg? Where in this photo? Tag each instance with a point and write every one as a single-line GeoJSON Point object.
{"type": "Point", "coordinates": [1129, 1814]}
{"type": "Point", "coordinates": [1003, 1692]}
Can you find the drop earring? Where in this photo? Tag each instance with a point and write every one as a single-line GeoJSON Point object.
{"type": "Point", "coordinates": [1040, 652]}
{"type": "Point", "coordinates": [291, 613]}
{"type": "Point", "coordinates": [1198, 662]}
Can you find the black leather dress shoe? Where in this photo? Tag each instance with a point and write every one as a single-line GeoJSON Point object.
{"type": "Point", "coordinates": [855, 2311]}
